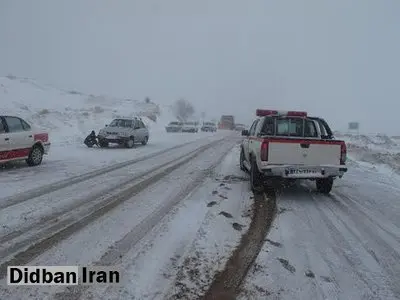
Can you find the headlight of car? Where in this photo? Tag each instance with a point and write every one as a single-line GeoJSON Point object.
{"type": "Point", "coordinates": [102, 132]}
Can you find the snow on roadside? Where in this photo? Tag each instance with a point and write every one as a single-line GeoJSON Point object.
{"type": "Point", "coordinates": [228, 218]}
{"type": "Point", "coordinates": [141, 259]}
{"type": "Point", "coordinates": [196, 239]}
{"type": "Point", "coordinates": [69, 116]}
{"type": "Point", "coordinates": [377, 149]}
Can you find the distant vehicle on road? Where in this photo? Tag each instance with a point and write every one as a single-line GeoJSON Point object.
{"type": "Point", "coordinates": [227, 122]}
{"type": "Point", "coordinates": [174, 126]}
{"type": "Point", "coordinates": [240, 127]}
{"type": "Point", "coordinates": [190, 126]}
{"type": "Point", "coordinates": [126, 132]}
{"type": "Point", "coordinates": [291, 145]}
{"type": "Point", "coordinates": [19, 141]}
{"type": "Point", "coordinates": [209, 127]}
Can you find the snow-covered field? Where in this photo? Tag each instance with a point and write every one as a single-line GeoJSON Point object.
{"type": "Point", "coordinates": [160, 212]}
{"type": "Point", "coordinates": [69, 117]}
{"type": "Point", "coordinates": [170, 214]}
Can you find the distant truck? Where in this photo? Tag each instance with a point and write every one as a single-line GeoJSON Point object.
{"type": "Point", "coordinates": [227, 122]}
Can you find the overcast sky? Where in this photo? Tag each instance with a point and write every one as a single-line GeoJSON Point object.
{"type": "Point", "coordinates": [338, 59]}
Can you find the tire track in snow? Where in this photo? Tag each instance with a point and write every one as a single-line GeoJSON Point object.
{"type": "Point", "coordinates": [226, 284]}
{"type": "Point", "coordinates": [333, 239]}
{"type": "Point", "coordinates": [37, 244]}
{"type": "Point", "coordinates": [43, 190]}
{"type": "Point", "coordinates": [22, 237]}
{"type": "Point", "coordinates": [113, 255]}
{"type": "Point", "coordinates": [373, 238]}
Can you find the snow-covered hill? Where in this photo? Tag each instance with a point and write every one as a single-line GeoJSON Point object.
{"type": "Point", "coordinates": [70, 115]}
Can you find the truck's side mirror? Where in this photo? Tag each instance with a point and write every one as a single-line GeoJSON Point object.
{"type": "Point", "coordinates": [245, 132]}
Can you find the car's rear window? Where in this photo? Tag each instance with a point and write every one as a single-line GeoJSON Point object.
{"type": "Point", "coordinates": [296, 127]}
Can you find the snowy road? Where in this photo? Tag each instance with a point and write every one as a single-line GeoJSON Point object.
{"type": "Point", "coordinates": [160, 220]}
{"type": "Point", "coordinates": [342, 246]}
{"type": "Point", "coordinates": [65, 161]}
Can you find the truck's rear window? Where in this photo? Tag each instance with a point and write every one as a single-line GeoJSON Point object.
{"type": "Point", "coordinates": [296, 127]}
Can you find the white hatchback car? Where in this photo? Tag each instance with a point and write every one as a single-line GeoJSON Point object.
{"type": "Point", "coordinates": [190, 126]}
{"type": "Point", "coordinates": [19, 141]}
{"type": "Point", "coordinates": [124, 131]}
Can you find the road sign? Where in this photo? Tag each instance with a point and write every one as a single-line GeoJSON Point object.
{"type": "Point", "coordinates": [354, 125]}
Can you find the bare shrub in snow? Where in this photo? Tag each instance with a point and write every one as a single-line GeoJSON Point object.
{"type": "Point", "coordinates": [183, 109]}
{"type": "Point", "coordinates": [98, 110]}
{"type": "Point", "coordinates": [44, 111]}
{"type": "Point", "coordinates": [74, 93]}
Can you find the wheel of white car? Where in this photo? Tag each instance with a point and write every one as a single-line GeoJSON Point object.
{"type": "Point", "coordinates": [35, 156]}
{"type": "Point", "coordinates": [130, 143]}
{"type": "Point", "coordinates": [146, 139]}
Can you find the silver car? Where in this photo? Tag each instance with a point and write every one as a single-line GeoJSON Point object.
{"type": "Point", "coordinates": [126, 132]}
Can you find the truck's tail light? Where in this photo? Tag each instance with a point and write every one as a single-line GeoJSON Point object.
{"type": "Point", "coordinates": [264, 151]}
{"type": "Point", "coordinates": [343, 153]}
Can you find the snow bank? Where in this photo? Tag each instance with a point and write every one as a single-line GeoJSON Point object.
{"type": "Point", "coordinates": [378, 149]}
{"type": "Point", "coordinates": [71, 115]}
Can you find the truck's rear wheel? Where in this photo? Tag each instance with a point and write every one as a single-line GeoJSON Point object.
{"type": "Point", "coordinates": [241, 161]}
{"type": "Point", "coordinates": [324, 185]}
{"type": "Point", "coordinates": [256, 179]}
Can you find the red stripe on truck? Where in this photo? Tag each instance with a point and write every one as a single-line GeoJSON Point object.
{"type": "Point", "coordinates": [297, 141]}
{"type": "Point", "coordinates": [12, 154]}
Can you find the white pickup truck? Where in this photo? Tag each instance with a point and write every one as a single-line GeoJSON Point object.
{"type": "Point", "coordinates": [291, 145]}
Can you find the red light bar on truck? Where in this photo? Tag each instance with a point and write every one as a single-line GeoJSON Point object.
{"type": "Point", "coordinates": [267, 112]}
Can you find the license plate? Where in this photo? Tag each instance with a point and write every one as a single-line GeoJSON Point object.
{"type": "Point", "coordinates": [301, 171]}
{"type": "Point", "coordinates": [112, 137]}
